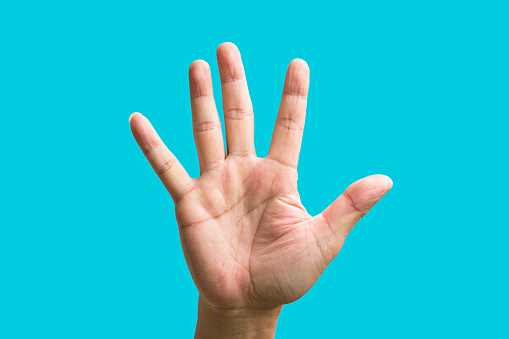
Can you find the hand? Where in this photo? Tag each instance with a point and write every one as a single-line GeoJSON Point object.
{"type": "Point", "coordinates": [249, 242]}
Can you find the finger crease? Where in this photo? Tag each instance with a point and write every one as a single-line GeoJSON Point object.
{"type": "Point", "coordinates": [290, 124]}
{"type": "Point", "coordinates": [202, 96]}
{"type": "Point", "coordinates": [350, 202]}
{"type": "Point", "coordinates": [232, 79]}
{"type": "Point", "coordinates": [151, 147]}
{"type": "Point", "coordinates": [206, 126]}
{"type": "Point", "coordinates": [167, 165]}
{"type": "Point", "coordinates": [188, 188]}
{"type": "Point", "coordinates": [281, 162]}
{"type": "Point", "coordinates": [238, 114]}
{"type": "Point", "coordinates": [296, 95]}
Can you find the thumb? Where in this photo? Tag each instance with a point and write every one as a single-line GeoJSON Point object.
{"type": "Point", "coordinates": [335, 222]}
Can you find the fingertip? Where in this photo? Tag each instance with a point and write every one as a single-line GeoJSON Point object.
{"type": "Point", "coordinates": [143, 131]}
{"type": "Point", "coordinates": [299, 64]}
{"type": "Point", "coordinates": [297, 78]}
{"type": "Point", "coordinates": [200, 79]}
{"type": "Point", "coordinates": [229, 62]}
{"type": "Point", "coordinates": [384, 181]}
{"type": "Point", "coordinates": [136, 122]}
{"type": "Point", "coordinates": [133, 115]}
{"type": "Point", "coordinates": [227, 48]}
{"type": "Point", "coordinates": [366, 192]}
{"type": "Point", "coordinates": [199, 67]}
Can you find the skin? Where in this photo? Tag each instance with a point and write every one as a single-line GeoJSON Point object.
{"type": "Point", "coordinates": [249, 243]}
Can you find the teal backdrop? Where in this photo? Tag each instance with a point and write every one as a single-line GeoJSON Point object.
{"type": "Point", "coordinates": [417, 90]}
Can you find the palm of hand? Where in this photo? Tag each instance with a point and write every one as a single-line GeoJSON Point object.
{"type": "Point", "coordinates": [248, 215]}
{"type": "Point", "coordinates": [247, 239]}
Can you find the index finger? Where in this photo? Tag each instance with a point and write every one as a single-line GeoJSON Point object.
{"type": "Point", "coordinates": [287, 135]}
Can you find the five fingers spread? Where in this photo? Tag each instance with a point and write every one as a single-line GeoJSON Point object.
{"type": "Point", "coordinates": [337, 219]}
{"type": "Point", "coordinates": [236, 232]}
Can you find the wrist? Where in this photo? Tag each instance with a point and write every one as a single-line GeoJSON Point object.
{"type": "Point", "coordinates": [235, 323]}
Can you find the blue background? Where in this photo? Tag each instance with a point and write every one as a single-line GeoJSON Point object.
{"type": "Point", "coordinates": [418, 90]}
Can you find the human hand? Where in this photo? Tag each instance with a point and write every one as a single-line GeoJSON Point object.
{"type": "Point", "coordinates": [249, 243]}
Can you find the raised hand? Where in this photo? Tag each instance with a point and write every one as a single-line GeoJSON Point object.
{"type": "Point", "coordinates": [249, 243]}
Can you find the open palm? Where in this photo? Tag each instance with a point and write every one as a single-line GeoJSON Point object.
{"type": "Point", "coordinates": [248, 240]}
